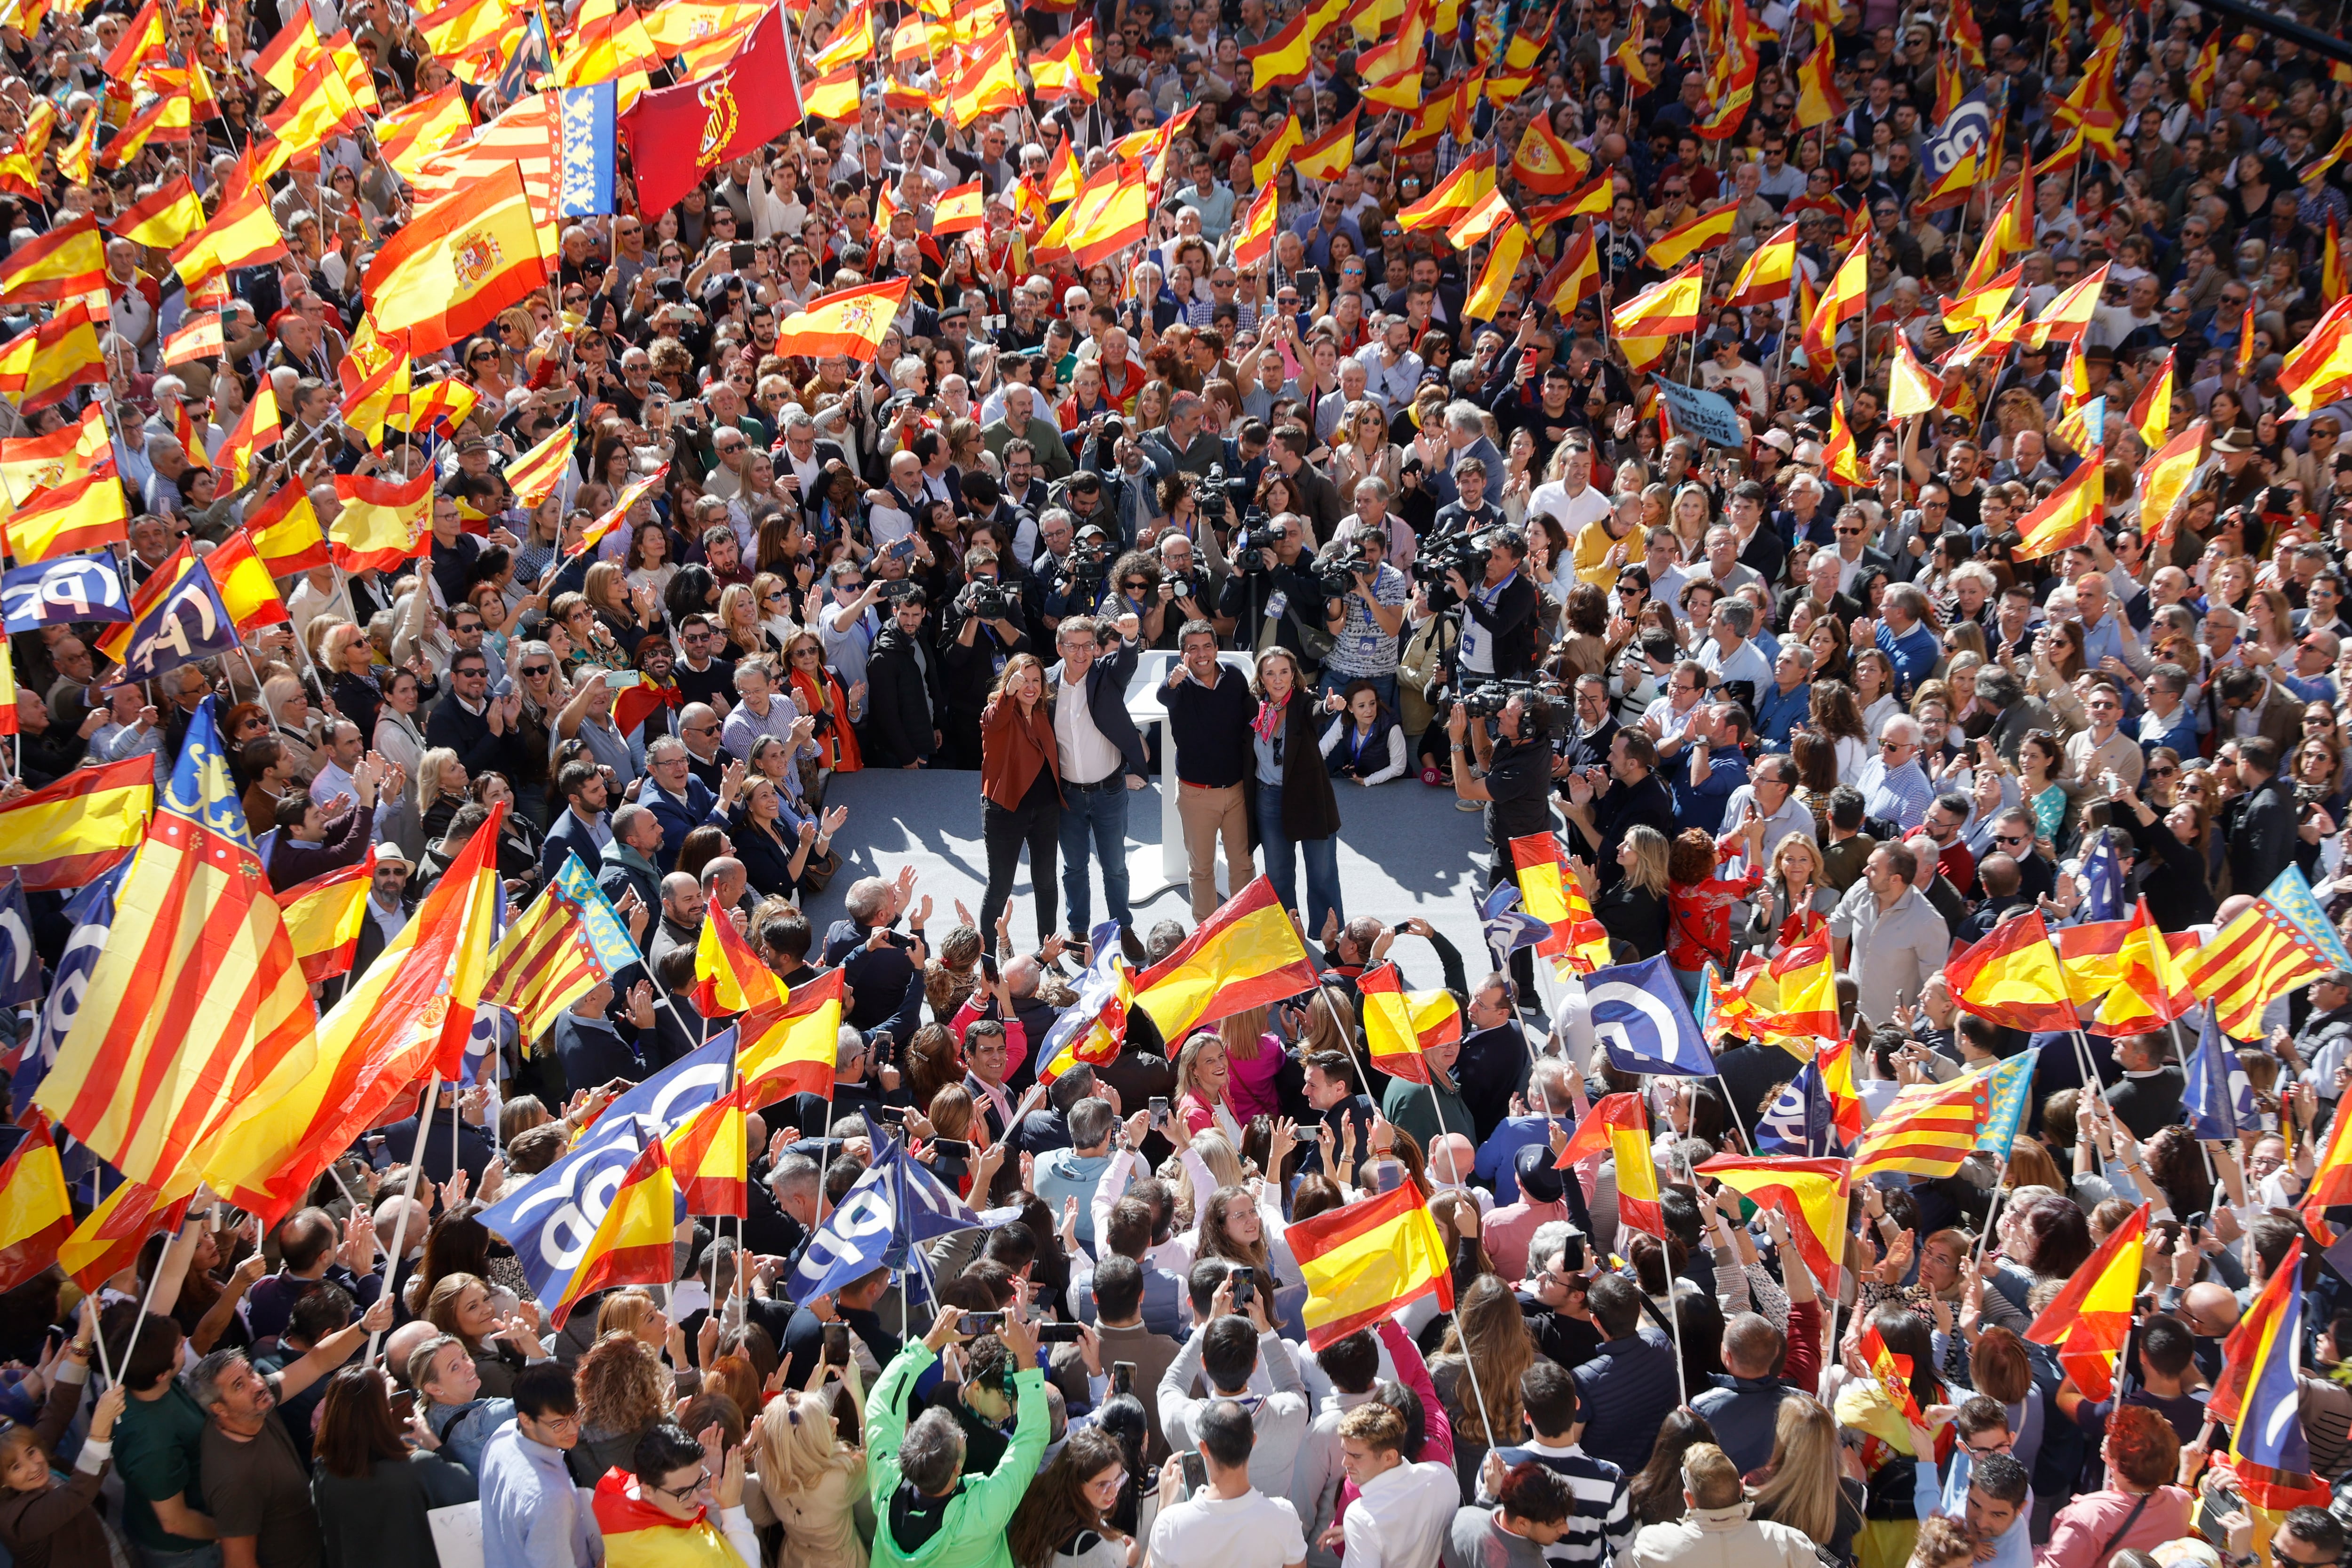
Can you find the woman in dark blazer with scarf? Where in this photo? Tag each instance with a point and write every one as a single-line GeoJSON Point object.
{"type": "Point", "coordinates": [1293, 807]}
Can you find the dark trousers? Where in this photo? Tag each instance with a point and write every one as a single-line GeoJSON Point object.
{"type": "Point", "coordinates": [1037, 823]}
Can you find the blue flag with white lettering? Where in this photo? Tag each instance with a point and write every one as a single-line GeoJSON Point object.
{"type": "Point", "coordinates": [1640, 1016]}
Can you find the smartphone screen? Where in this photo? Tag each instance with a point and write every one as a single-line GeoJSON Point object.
{"type": "Point", "coordinates": [836, 1344]}
{"type": "Point", "coordinates": [1196, 1474]}
{"type": "Point", "coordinates": [980, 1322]}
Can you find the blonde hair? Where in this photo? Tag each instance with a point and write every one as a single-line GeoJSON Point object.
{"type": "Point", "coordinates": [625, 1312]}
{"type": "Point", "coordinates": [1801, 1491]}
{"type": "Point", "coordinates": [1243, 1033]}
{"type": "Point", "coordinates": [1650, 853]}
{"type": "Point", "coordinates": [429, 768]}
{"type": "Point", "coordinates": [796, 1442]}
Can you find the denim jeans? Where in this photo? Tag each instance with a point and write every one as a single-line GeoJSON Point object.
{"type": "Point", "coordinates": [1099, 816]}
{"type": "Point", "coordinates": [206, 1557]}
{"type": "Point", "coordinates": [1282, 864]}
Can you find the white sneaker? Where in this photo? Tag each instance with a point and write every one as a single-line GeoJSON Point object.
{"type": "Point", "coordinates": [1469, 806]}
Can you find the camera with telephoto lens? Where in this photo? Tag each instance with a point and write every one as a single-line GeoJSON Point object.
{"type": "Point", "coordinates": [1340, 572]}
{"type": "Point", "coordinates": [1090, 559]}
{"type": "Point", "coordinates": [985, 599]}
{"type": "Point", "coordinates": [1545, 710]}
{"type": "Point", "coordinates": [1208, 490]}
{"type": "Point", "coordinates": [1257, 533]}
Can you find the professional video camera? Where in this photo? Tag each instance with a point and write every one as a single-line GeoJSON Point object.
{"type": "Point", "coordinates": [1208, 490]}
{"type": "Point", "coordinates": [1256, 533]}
{"type": "Point", "coordinates": [986, 598]}
{"type": "Point", "coordinates": [1546, 711]}
{"type": "Point", "coordinates": [1090, 559]}
{"type": "Point", "coordinates": [1340, 572]}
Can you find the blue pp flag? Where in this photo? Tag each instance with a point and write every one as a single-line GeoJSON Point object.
{"type": "Point", "coordinates": [1513, 930]}
{"type": "Point", "coordinates": [583, 172]}
{"type": "Point", "coordinates": [896, 1206]}
{"type": "Point", "coordinates": [92, 910]}
{"type": "Point", "coordinates": [188, 623]}
{"type": "Point", "coordinates": [1798, 1122]}
{"type": "Point", "coordinates": [549, 1221]}
{"type": "Point", "coordinates": [1502, 896]}
{"type": "Point", "coordinates": [2217, 1094]}
{"type": "Point", "coordinates": [531, 62]}
{"type": "Point", "coordinates": [1640, 1016]}
{"type": "Point", "coordinates": [20, 966]}
{"type": "Point", "coordinates": [1098, 988]}
{"type": "Point", "coordinates": [69, 588]}
{"type": "Point", "coordinates": [2103, 879]}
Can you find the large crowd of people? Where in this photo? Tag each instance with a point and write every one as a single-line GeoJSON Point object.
{"type": "Point", "coordinates": [1397, 523]}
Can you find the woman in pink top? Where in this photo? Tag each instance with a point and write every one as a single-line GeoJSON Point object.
{"type": "Point", "coordinates": [1253, 1059]}
{"type": "Point", "coordinates": [2140, 1506]}
{"type": "Point", "coordinates": [1203, 1086]}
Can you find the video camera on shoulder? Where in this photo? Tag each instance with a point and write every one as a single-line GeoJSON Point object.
{"type": "Point", "coordinates": [1340, 571]}
{"type": "Point", "coordinates": [1545, 712]}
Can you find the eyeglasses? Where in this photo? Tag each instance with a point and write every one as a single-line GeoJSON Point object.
{"type": "Point", "coordinates": [701, 1480]}
{"type": "Point", "coordinates": [2008, 838]}
{"type": "Point", "coordinates": [1897, 746]}
{"type": "Point", "coordinates": [2162, 771]}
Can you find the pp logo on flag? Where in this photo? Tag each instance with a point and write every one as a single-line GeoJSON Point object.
{"type": "Point", "coordinates": [1970, 127]}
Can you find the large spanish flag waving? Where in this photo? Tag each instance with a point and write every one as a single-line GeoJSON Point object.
{"type": "Point", "coordinates": [2093, 1315]}
{"type": "Point", "coordinates": [1619, 1127]}
{"type": "Point", "coordinates": [71, 833]}
{"type": "Point", "coordinates": [851, 322]}
{"type": "Point", "coordinates": [1247, 954]}
{"type": "Point", "coordinates": [789, 1049]}
{"type": "Point", "coordinates": [2070, 515]}
{"type": "Point", "coordinates": [632, 1245]}
{"type": "Point", "coordinates": [458, 263]}
{"type": "Point", "coordinates": [2010, 975]}
{"type": "Point", "coordinates": [1365, 1261]}
{"type": "Point", "coordinates": [1810, 1193]}
{"type": "Point", "coordinates": [380, 522]}
{"type": "Point", "coordinates": [323, 917]}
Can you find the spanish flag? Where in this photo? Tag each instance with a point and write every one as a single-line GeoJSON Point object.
{"type": "Point", "coordinates": [2316, 370]}
{"type": "Point", "coordinates": [1819, 101]}
{"type": "Point", "coordinates": [43, 366]}
{"type": "Point", "coordinates": [535, 475]}
{"type": "Point", "coordinates": [1067, 69]}
{"type": "Point", "coordinates": [320, 105]}
{"type": "Point", "coordinates": [1271, 152]}
{"type": "Point", "coordinates": [1399, 1025]}
{"type": "Point", "coordinates": [82, 449]}
{"type": "Point", "coordinates": [632, 1244]}
{"type": "Point", "coordinates": [70, 834]}
{"type": "Point", "coordinates": [257, 430]}
{"type": "Point", "coordinates": [1619, 1127]}
{"type": "Point", "coordinates": [2269, 1451]}
{"type": "Point", "coordinates": [1911, 387]}
{"type": "Point", "coordinates": [243, 232]}
{"type": "Point", "coordinates": [141, 43]}
{"type": "Point", "coordinates": [729, 977]}
{"type": "Point", "coordinates": [79, 515]}
{"type": "Point", "coordinates": [542, 964]}
{"type": "Point", "coordinates": [2067, 318]}
{"type": "Point", "coordinates": [708, 1154]}
{"type": "Point", "coordinates": [1549, 890]}
{"type": "Point", "coordinates": [1365, 1262]}
{"type": "Point", "coordinates": [163, 217]}
{"type": "Point", "coordinates": [2164, 479]}
{"type": "Point", "coordinates": [1546, 166]}
{"type": "Point", "coordinates": [109, 1238]}
{"type": "Point", "coordinates": [2129, 970]}
{"type": "Point", "coordinates": [1577, 278]}
{"type": "Point", "coordinates": [2151, 411]}
{"type": "Point", "coordinates": [1840, 458]}
{"type": "Point", "coordinates": [1892, 1372]}
{"type": "Point", "coordinates": [2332, 284]}
{"type": "Point", "coordinates": [1810, 1193]}
{"type": "Point", "coordinates": [1769, 271]}
{"type": "Point", "coordinates": [1401, 94]}
{"type": "Point", "coordinates": [451, 31]}
{"type": "Point", "coordinates": [792, 1051]}
{"type": "Point", "coordinates": [1701, 231]}
{"type": "Point", "coordinates": [242, 578]}
{"type": "Point", "coordinates": [1847, 295]}
{"type": "Point", "coordinates": [1983, 305]}
{"type": "Point", "coordinates": [412, 132]}
{"type": "Point", "coordinates": [285, 533]}
{"type": "Point", "coordinates": [2011, 977]}
{"type": "Point", "coordinates": [201, 338]}
{"type": "Point", "coordinates": [1791, 998]}
{"type": "Point", "coordinates": [1398, 58]}
{"type": "Point", "coordinates": [1108, 216]}
{"type": "Point", "coordinates": [1451, 197]}
{"type": "Point", "coordinates": [462, 260]}
{"type": "Point", "coordinates": [1926, 1130]}
{"type": "Point", "coordinates": [1665, 309]}
{"type": "Point", "coordinates": [323, 917]}
{"type": "Point", "coordinates": [35, 1215]}
{"type": "Point", "coordinates": [852, 39]}
{"type": "Point", "coordinates": [851, 322]}
{"type": "Point", "coordinates": [2070, 515]}
{"type": "Point", "coordinates": [1283, 59]}
{"type": "Point", "coordinates": [380, 522]}
{"type": "Point", "coordinates": [10, 722]}
{"type": "Point", "coordinates": [959, 209]}
{"type": "Point", "coordinates": [1253, 241]}
{"type": "Point", "coordinates": [2092, 1316]}
{"type": "Point", "coordinates": [1595, 200]}
{"type": "Point", "coordinates": [833, 95]}
{"type": "Point", "coordinates": [77, 159]}
{"type": "Point", "coordinates": [1488, 213]}
{"type": "Point", "coordinates": [1247, 954]}
{"type": "Point", "coordinates": [986, 83]}
{"type": "Point", "coordinates": [1329, 155]}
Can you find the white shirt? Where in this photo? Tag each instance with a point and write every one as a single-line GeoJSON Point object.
{"type": "Point", "coordinates": [1086, 758]}
{"type": "Point", "coordinates": [1250, 1532]}
{"type": "Point", "coordinates": [1400, 1519]}
{"type": "Point", "coordinates": [1572, 512]}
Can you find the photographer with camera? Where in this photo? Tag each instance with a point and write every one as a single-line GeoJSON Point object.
{"type": "Point", "coordinates": [1274, 589]}
{"type": "Point", "coordinates": [1498, 613]}
{"type": "Point", "coordinates": [1183, 590]}
{"type": "Point", "coordinates": [984, 627]}
{"type": "Point", "coordinates": [1516, 788]}
{"type": "Point", "coordinates": [1364, 611]}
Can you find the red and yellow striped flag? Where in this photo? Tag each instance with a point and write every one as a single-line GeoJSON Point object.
{"type": "Point", "coordinates": [163, 217]}
{"type": "Point", "coordinates": [1845, 298]}
{"type": "Point", "coordinates": [43, 366]}
{"type": "Point", "coordinates": [1254, 240]}
{"type": "Point", "coordinates": [2092, 1316]}
{"type": "Point", "coordinates": [708, 1154]}
{"type": "Point", "coordinates": [1399, 1025]}
{"type": "Point", "coordinates": [1927, 1129]}
{"type": "Point", "coordinates": [323, 917]}
{"type": "Point", "coordinates": [791, 1050]}
{"type": "Point", "coordinates": [1619, 1127]}
{"type": "Point", "coordinates": [285, 533]}
{"type": "Point", "coordinates": [543, 964]}
{"type": "Point", "coordinates": [1363, 1263]}
{"type": "Point", "coordinates": [1700, 231]}
{"type": "Point", "coordinates": [534, 475]}
{"type": "Point", "coordinates": [109, 1238]}
{"type": "Point", "coordinates": [68, 834]}
{"type": "Point", "coordinates": [35, 1215]}
{"type": "Point", "coordinates": [632, 1244]}
{"type": "Point", "coordinates": [1810, 1193]}
{"type": "Point", "coordinates": [2070, 515]}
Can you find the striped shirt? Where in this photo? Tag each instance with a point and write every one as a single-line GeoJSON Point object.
{"type": "Point", "coordinates": [1601, 1525]}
